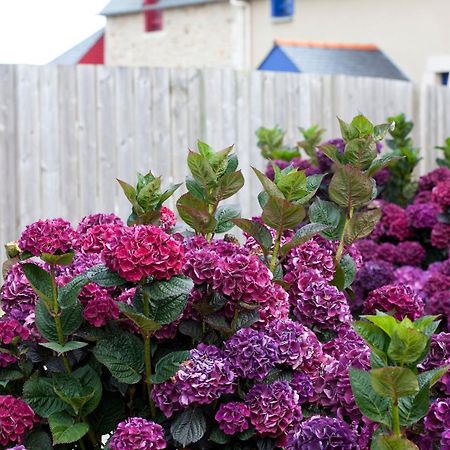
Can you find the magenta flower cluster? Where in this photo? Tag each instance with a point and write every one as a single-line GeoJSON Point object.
{"type": "Point", "coordinates": [138, 434]}
{"type": "Point", "coordinates": [233, 417]}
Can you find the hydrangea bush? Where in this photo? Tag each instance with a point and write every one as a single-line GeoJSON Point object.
{"type": "Point", "coordinates": [152, 335]}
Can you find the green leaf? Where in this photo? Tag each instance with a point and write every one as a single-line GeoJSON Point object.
{"type": "Point", "coordinates": [360, 152]}
{"type": "Point", "coordinates": [246, 319]}
{"type": "Point", "coordinates": [374, 336]}
{"type": "Point", "coordinates": [303, 235]}
{"type": "Point", "coordinates": [326, 213]}
{"type": "Point", "coordinates": [10, 374]}
{"type": "Point", "coordinates": [60, 260]}
{"type": "Point", "coordinates": [195, 213]}
{"type": "Point", "coordinates": [205, 149]}
{"type": "Point", "coordinates": [67, 347]}
{"type": "Point", "coordinates": [201, 170]}
{"type": "Point", "coordinates": [426, 325]}
{"type": "Point", "coordinates": [269, 186]}
{"type": "Point", "coordinates": [105, 419]}
{"type": "Point", "coordinates": [71, 320]}
{"type": "Point", "coordinates": [103, 276]}
{"type": "Point", "coordinates": [332, 152]}
{"type": "Point", "coordinates": [276, 374]}
{"type": "Point", "coordinates": [130, 193]}
{"type": "Point", "coordinates": [413, 408]}
{"type": "Point", "coordinates": [394, 382]}
{"type": "Point", "coordinates": [349, 187]}
{"type": "Point", "coordinates": [348, 266]}
{"type": "Point", "coordinates": [39, 280]}
{"type": "Point", "coordinates": [407, 345]}
{"type": "Point", "coordinates": [148, 196]}
{"type": "Point", "coordinates": [223, 215]}
{"type": "Point", "coordinates": [232, 164]}
{"type": "Point", "coordinates": [259, 232]}
{"type": "Point", "coordinates": [432, 376]}
{"type": "Point", "coordinates": [70, 390]}
{"type": "Point", "coordinates": [229, 185]}
{"type": "Point", "coordinates": [38, 440]}
{"type": "Point", "coordinates": [293, 185]}
{"type": "Point", "coordinates": [219, 160]}
{"type": "Point", "coordinates": [146, 326]}
{"type": "Point", "coordinates": [362, 125]}
{"type": "Point", "coordinates": [168, 193]}
{"type": "Point", "coordinates": [219, 437]}
{"type": "Point", "coordinates": [39, 394]}
{"type": "Point", "coordinates": [189, 426]}
{"type": "Point", "coordinates": [168, 366]}
{"type": "Point", "coordinates": [385, 442]}
{"type": "Point", "coordinates": [65, 430]}
{"type": "Point", "coordinates": [380, 131]}
{"type": "Point", "coordinates": [386, 322]}
{"type": "Point", "coordinates": [312, 185]}
{"type": "Point", "coordinates": [348, 131]}
{"type": "Point", "coordinates": [381, 162]}
{"type": "Point", "coordinates": [369, 402]}
{"type": "Point", "coordinates": [196, 189]}
{"type": "Point", "coordinates": [89, 379]}
{"type": "Point", "coordinates": [123, 355]}
{"type": "Point", "coordinates": [361, 225]}
{"type": "Point", "coordinates": [281, 215]}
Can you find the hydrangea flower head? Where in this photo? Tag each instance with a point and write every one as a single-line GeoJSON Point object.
{"type": "Point", "coordinates": [95, 238]}
{"type": "Point", "coordinates": [47, 236]}
{"type": "Point", "coordinates": [423, 215]}
{"type": "Point", "coordinates": [440, 235]}
{"type": "Point", "coordinates": [400, 299]}
{"type": "Point", "coordinates": [410, 253]}
{"type": "Point", "coordinates": [167, 218]}
{"type": "Point", "coordinates": [142, 251]}
{"type": "Point", "coordinates": [233, 417]}
{"type": "Point", "coordinates": [16, 419]}
{"type": "Point", "coordinates": [323, 433]}
{"type": "Point", "coordinates": [438, 418]}
{"type": "Point", "coordinates": [136, 433]}
{"type": "Point", "coordinates": [100, 309]}
{"type": "Point", "coordinates": [11, 329]}
{"type": "Point", "coordinates": [441, 193]}
{"type": "Point", "coordinates": [274, 408]}
{"type": "Point", "coordinates": [97, 219]}
{"type": "Point", "coordinates": [431, 179]}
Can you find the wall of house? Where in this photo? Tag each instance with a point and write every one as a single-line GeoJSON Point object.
{"type": "Point", "coordinates": [199, 36]}
{"type": "Point", "coordinates": [409, 31]}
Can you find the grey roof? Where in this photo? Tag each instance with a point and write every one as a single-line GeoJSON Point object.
{"type": "Point", "coordinates": [74, 55]}
{"type": "Point", "coordinates": [120, 7]}
{"type": "Point", "coordinates": [346, 61]}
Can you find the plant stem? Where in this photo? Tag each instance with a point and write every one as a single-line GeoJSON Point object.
{"type": "Point", "coordinates": [82, 446]}
{"type": "Point", "coordinates": [148, 354]}
{"type": "Point", "coordinates": [340, 249]}
{"type": "Point", "coordinates": [57, 319]}
{"type": "Point", "coordinates": [276, 249]}
{"type": "Point", "coordinates": [395, 417]}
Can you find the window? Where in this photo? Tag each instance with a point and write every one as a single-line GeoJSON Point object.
{"type": "Point", "coordinates": [282, 10]}
{"type": "Point", "coordinates": [153, 17]}
{"type": "Point", "coordinates": [444, 78]}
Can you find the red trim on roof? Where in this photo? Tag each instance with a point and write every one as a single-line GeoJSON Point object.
{"type": "Point", "coordinates": [331, 45]}
{"type": "Point", "coordinates": [96, 54]}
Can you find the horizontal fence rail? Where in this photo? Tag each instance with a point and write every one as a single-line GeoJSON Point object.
{"type": "Point", "coordinates": [66, 133]}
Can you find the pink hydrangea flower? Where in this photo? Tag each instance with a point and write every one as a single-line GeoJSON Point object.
{"type": "Point", "coordinates": [97, 219]}
{"type": "Point", "coordinates": [101, 309]}
{"type": "Point", "coordinates": [167, 218]}
{"type": "Point", "coordinates": [47, 236]}
{"type": "Point", "coordinates": [136, 433]}
{"type": "Point", "coordinates": [142, 251]}
{"type": "Point", "coordinates": [16, 419]}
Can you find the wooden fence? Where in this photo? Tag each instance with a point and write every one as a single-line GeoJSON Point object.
{"type": "Point", "coordinates": [66, 133]}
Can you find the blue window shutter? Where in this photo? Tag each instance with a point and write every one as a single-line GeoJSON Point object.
{"type": "Point", "coordinates": [282, 8]}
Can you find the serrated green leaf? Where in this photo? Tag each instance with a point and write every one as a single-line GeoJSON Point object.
{"type": "Point", "coordinates": [326, 213]}
{"type": "Point", "coordinates": [374, 336]}
{"type": "Point", "coordinates": [196, 189]}
{"type": "Point", "coordinates": [65, 430]}
{"type": "Point", "coordinates": [332, 152]}
{"type": "Point", "coordinates": [303, 235]}
{"type": "Point", "coordinates": [394, 382]}
{"type": "Point", "coordinates": [168, 193]}
{"type": "Point", "coordinates": [369, 402]}
{"type": "Point", "coordinates": [38, 440]}
{"type": "Point", "coordinates": [168, 366]}
{"type": "Point", "coordinates": [361, 225]}
{"type": "Point", "coordinates": [391, 442]}
{"type": "Point", "coordinates": [70, 390]}
{"type": "Point", "coordinates": [269, 186]}
{"type": "Point", "coordinates": [381, 162]}
{"type": "Point", "coordinates": [67, 347]}
{"type": "Point", "coordinates": [130, 194]}
{"type": "Point", "coordinates": [293, 185]}
{"type": "Point", "coordinates": [148, 196]}
{"type": "Point", "coordinates": [407, 345]}
{"type": "Point", "coordinates": [360, 152]}
{"type": "Point", "coordinates": [201, 170]}
{"type": "Point", "coordinates": [363, 126]}
{"type": "Point", "coordinates": [313, 183]}
{"type": "Point", "coordinates": [349, 187]}
{"type": "Point", "coordinates": [413, 408]}
{"type": "Point", "coordinates": [105, 419]}
{"type": "Point", "coordinates": [223, 215]}
{"type": "Point", "coordinates": [189, 427]}
{"type": "Point", "coordinates": [229, 184]}
{"type": "Point", "coordinates": [196, 214]}
{"type": "Point", "coordinates": [39, 394]}
{"type": "Point", "coordinates": [259, 232]}
{"type": "Point", "coordinates": [123, 355]}
{"type": "Point", "coordinates": [39, 280]}
{"type": "Point", "coordinates": [59, 260]}
{"type": "Point", "coordinates": [386, 322]}
{"type": "Point", "coordinates": [146, 326]}
{"type": "Point", "coordinates": [282, 215]}
{"type": "Point", "coordinates": [432, 376]}
{"type": "Point", "coordinates": [219, 437]}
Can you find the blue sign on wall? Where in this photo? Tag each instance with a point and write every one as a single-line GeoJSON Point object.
{"type": "Point", "coordinates": [282, 8]}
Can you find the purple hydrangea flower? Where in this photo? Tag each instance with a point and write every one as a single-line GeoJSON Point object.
{"type": "Point", "coordinates": [398, 298]}
{"type": "Point", "coordinates": [324, 162]}
{"type": "Point", "coordinates": [200, 380]}
{"type": "Point", "coordinates": [393, 222]}
{"type": "Point", "coordinates": [440, 235]}
{"type": "Point", "coordinates": [47, 236]}
{"type": "Point", "coordinates": [318, 303]}
{"type": "Point", "coordinates": [431, 179]}
{"type": "Point", "coordinates": [274, 408]}
{"type": "Point", "coordinates": [382, 176]}
{"type": "Point", "coordinates": [438, 418]}
{"type": "Point", "coordinates": [233, 417]}
{"type": "Point", "coordinates": [387, 252]}
{"type": "Point", "coordinates": [374, 274]}
{"type": "Point", "coordinates": [97, 219]}
{"type": "Point", "coordinates": [310, 255]}
{"type": "Point", "coordinates": [368, 249]}
{"type": "Point", "coordinates": [441, 193]}
{"type": "Point", "coordinates": [17, 447]}
{"type": "Point", "coordinates": [423, 215]}
{"type": "Point", "coordinates": [438, 356]}
{"type": "Point", "coordinates": [323, 433]}
{"type": "Point", "coordinates": [410, 253]}
{"type": "Point", "coordinates": [136, 433]}
{"type": "Point", "coordinates": [251, 353]}
{"type": "Point", "coordinates": [298, 347]}
{"type": "Point", "coordinates": [411, 276]}
{"type": "Point", "coordinates": [302, 384]}
{"type": "Point", "coordinates": [274, 305]}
